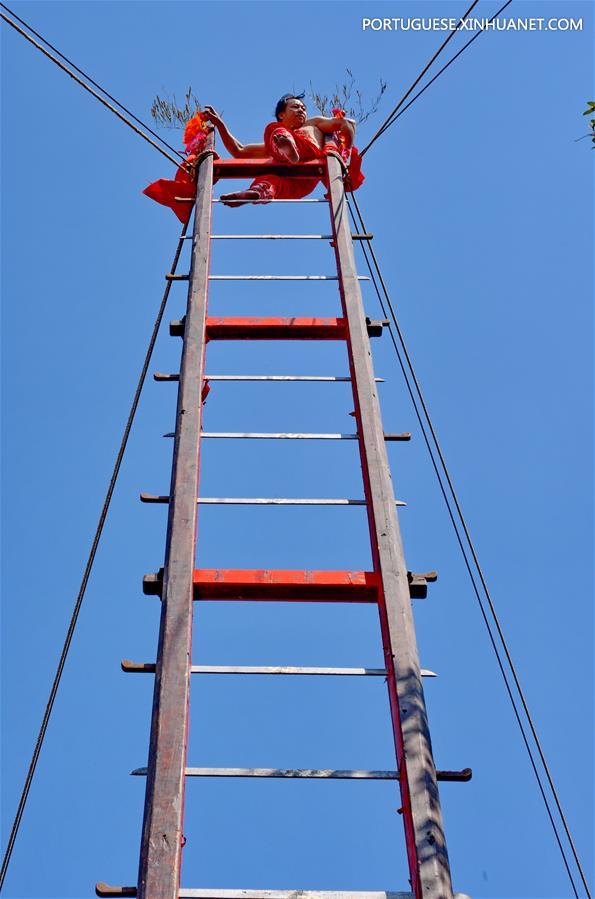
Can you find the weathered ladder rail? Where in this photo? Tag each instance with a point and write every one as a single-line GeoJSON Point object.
{"type": "Point", "coordinates": [424, 833]}
{"type": "Point", "coordinates": [161, 843]}
{"type": "Point", "coordinates": [390, 584]}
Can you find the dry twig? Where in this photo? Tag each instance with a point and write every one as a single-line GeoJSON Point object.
{"type": "Point", "coordinates": [348, 97]}
{"type": "Point", "coordinates": [169, 114]}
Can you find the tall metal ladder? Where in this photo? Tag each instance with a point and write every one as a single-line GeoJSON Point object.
{"type": "Point", "coordinates": [390, 585]}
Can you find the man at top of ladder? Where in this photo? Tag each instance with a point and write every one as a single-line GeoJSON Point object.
{"type": "Point", "coordinates": [292, 138]}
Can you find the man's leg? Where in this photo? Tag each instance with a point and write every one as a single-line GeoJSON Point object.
{"type": "Point", "coordinates": [283, 146]}
{"type": "Point", "coordinates": [262, 188]}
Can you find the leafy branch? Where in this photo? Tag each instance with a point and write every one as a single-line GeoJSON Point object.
{"type": "Point", "coordinates": [348, 97]}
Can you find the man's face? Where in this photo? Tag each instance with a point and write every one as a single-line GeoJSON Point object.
{"type": "Point", "coordinates": [294, 114]}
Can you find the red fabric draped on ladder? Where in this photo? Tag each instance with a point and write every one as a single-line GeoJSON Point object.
{"type": "Point", "coordinates": [269, 187]}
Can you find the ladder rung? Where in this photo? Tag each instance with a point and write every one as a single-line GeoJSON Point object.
{"type": "Point", "coordinates": [149, 668]}
{"type": "Point", "coordinates": [268, 237]}
{"type": "Point", "coordinates": [264, 501]}
{"type": "Point", "coordinates": [276, 328]}
{"type": "Point", "coordinates": [307, 773]}
{"type": "Point", "coordinates": [248, 168]}
{"type": "Point", "coordinates": [281, 277]}
{"type": "Point", "coordinates": [291, 585]}
{"type": "Point", "coordinates": [274, 436]}
{"type": "Point", "coordinates": [288, 894]}
{"type": "Point", "coordinates": [288, 436]}
{"type": "Point", "coordinates": [172, 277]}
{"type": "Point", "coordinates": [268, 328]}
{"type": "Point", "coordinates": [159, 376]}
{"type": "Point", "coordinates": [314, 773]}
{"type": "Point", "coordinates": [104, 889]}
{"type": "Point", "coordinates": [218, 200]}
{"type": "Point", "coordinates": [279, 236]}
{"type": "Point", "coordinates": [308, 200]}
{"type": "Point", "coordinates": [333, 378]}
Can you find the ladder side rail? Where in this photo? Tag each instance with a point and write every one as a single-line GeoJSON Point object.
{"type": "Point", "coordinates": [422, 817]}
{"type": "Point", "coordinates": [161, 842]}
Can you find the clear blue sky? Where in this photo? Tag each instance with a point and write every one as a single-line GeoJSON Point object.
{"type": "Point", "coordinates": [481, 203]}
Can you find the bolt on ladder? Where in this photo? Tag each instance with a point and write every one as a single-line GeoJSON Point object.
{"type": "Point", "coordinates": [179, 584]}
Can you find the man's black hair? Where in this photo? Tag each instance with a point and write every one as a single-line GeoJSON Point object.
{"type": "Point", "coordinates": [280, 107]}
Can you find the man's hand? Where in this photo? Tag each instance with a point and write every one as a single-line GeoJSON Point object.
{"type": "Point", "coordinates": [212, 116]}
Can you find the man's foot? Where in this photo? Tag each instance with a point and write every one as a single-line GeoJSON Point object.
{"type": "Point", "coordinates": [286, 148]}
{"type": "Point", "coordinates": [239, 197]}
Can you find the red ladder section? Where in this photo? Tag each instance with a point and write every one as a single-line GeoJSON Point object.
{"type": "Point", "coordinates": [389, 584]}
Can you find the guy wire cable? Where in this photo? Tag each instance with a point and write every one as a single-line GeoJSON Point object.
{"type": "Point", "coordinates": [397, 111]}
{"type": "Point", "coordinates": [466, 561]}
{"type": "Point", "coordinates": [88, 567]}
{"type": "Point", "coordinates": [443, 69]}
{"type": "Point", "coordinates": [91, 90]}
{"type": "Point", "coordinates": [476, 562]}
{"type": "Point", "coordinates": [89, 79]}
{"type": "Point", "coordinates": [442, 46]}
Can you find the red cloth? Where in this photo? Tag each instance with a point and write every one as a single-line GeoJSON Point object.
{"type": "Point", "coordinates": [356, 177]}
{"type": "Point", "coordinates": [165, 191]}
{"type": "Point", "coordinates": [276, 186]}
{"type": "Point", "coordinates": [269, 187]}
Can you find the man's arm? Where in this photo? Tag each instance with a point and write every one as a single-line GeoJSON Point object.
{"type": "Point", "coordinates": [346, 127]}
{"type": "Point", "coordinates": [231, 143]}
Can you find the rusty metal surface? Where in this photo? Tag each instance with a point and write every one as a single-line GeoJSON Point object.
{"type": "Point", "coordinates": [424, 834]}
{"type": "Point", "coordinates": [161, 842]}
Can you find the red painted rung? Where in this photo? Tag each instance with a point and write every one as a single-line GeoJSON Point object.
{"type": "Point", "coordinates": [276, 328]}
{"type": "Point", "coordinates": [248, 168]}
{"type": "Point", "coordinates": [296, 586]}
